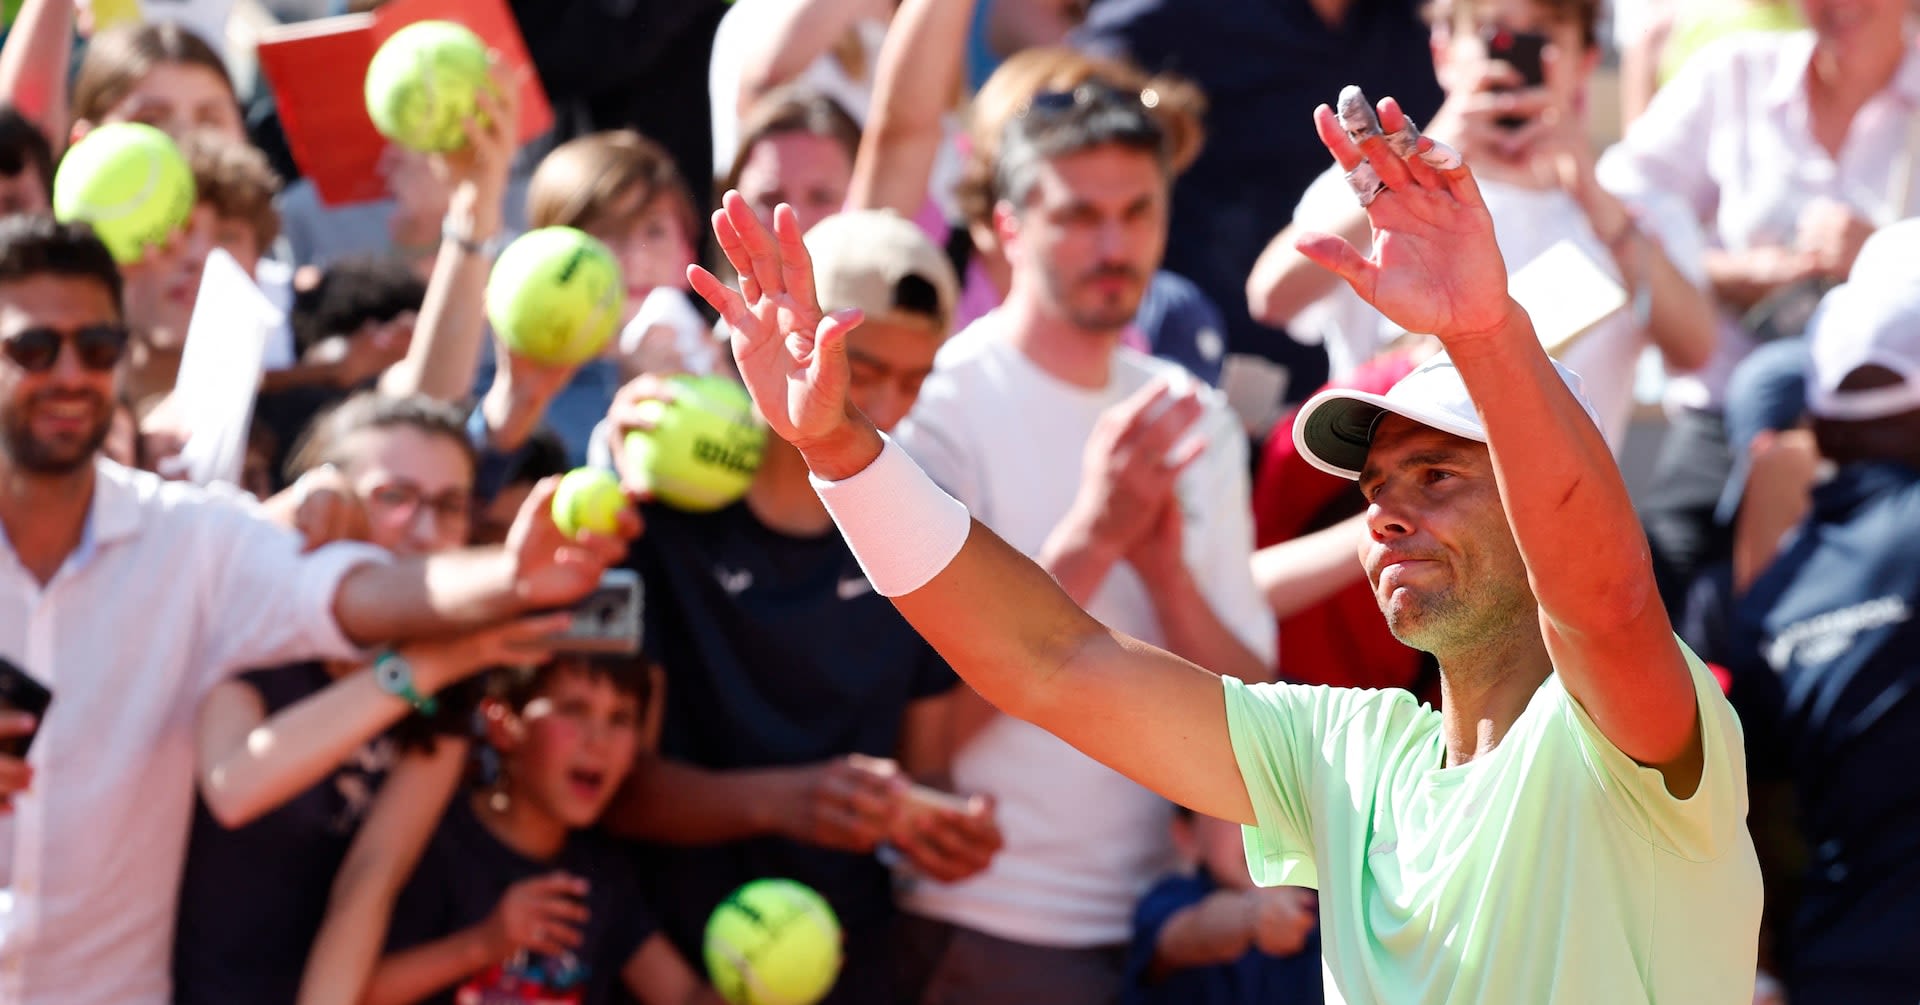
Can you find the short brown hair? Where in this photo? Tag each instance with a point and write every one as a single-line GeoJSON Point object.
{"type": "Point", "coordinates": [1175, 104]}
{"type": "Point", "coordinates": [583, 179]}
{"type": "Point", "coordinates": [118, 58]}
{"type": "Point", "coordinates": [235, 179]}
{"type": "Point", "coordinates": [1583, 13]}
{"type": "Point", "coordinates": [793, 109]}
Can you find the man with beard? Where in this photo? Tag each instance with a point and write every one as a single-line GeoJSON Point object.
{"type": "Point", "coordinates": [129, 596]}
{"type": "Point", "coordinates": [1127, 480]}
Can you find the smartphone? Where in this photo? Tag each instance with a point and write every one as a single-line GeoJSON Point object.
{"type": "Point", "coordinates": [20, 692]}
{"type": "Point", "coordinates": [1525, 51]}
{"type": "Point", "coordinates": [922, 800]}
{"type": "Point", "coordinates": [609, 620]}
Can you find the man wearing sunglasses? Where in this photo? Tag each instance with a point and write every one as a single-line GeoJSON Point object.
{"type": "Point", "coordinates": [128, 597]}
{"type": "Point", "coordinates": [1114, 469]}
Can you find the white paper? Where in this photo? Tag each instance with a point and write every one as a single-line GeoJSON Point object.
{"type": "Point", "coordinates": [205, 18]}
{"type": "Point", "coordinates": [1566, 293]}
{"type": "Point", "coordinates": [220, 368]}
{"type": "Point", "coordinates": [693, 340]}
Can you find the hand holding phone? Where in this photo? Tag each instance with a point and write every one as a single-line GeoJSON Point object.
{"type": "Point", "coordinates": [1525, 52]}
{"type": "Point", "coordinates": [23, 703]}
{"type": "Point", "coordinates": [608, 621]}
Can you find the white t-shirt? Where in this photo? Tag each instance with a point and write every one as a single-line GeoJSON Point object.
{"type": "Point", "coordinates": [1527, 222]}
{"type": "Point", "coordinates": [1007, 439]}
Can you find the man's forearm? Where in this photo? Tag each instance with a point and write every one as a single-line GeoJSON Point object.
{"type": "Point", "coordinates": [379, 602]}
{"type": "Point", "coordinates": [677, 803]}
{"type": "Point", "coordinates": [1195, 632]}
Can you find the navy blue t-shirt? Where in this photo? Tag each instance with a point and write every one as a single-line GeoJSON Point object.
{"type": "Point", "coordinates": [1264, 65]}
{"type": "Point", "coordinates": [461, 878]}
{"type": "Point", "coordinates": [1253, 979]}
{"type": "Point", "coordinates": [252, 898]}
{"type": "Point", "coordinates": [1826, 678]}
{"type": "Point", "coordinates": [777, 652]}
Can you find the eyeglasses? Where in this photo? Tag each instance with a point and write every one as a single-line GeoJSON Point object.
{"type": "Point", "coordinates": [404, 501]}
{"type": "Point", "coordinates": [1053, 103]}
{"type": "Point", "coordinates": [36, 350]}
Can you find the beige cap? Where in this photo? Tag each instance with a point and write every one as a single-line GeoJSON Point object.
{"type": "Point", "coordinates": [880, 262]}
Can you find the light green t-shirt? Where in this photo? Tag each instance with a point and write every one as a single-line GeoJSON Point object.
{"type": "Point", "coordinates": [1551, 870]}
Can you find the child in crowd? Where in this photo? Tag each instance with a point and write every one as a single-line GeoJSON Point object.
{"type": "Point", "coordinates": [515, 898]}
{"type": "Point", "coordinates": [1210, 937]}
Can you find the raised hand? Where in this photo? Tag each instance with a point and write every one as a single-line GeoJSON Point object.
{"type": "Point", "coordinates": [792, 357]}
{"type": "Point", "coordinates": [1435, 268]}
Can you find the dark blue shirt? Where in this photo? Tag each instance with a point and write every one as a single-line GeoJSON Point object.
{"type": "Point", "coordinates": [1826, 678]}
{"type": "Point", "coordinates": [465, 871]}
{"type": "Point", "coordinates": [777, 652]}
{"type": "Point", "coordinates": [1253, 979]}
{"type": "Point", "coordinates": [252, 898]}
{"type": "Point", "coordinates": [1264, 65]}
{"type": "Point", "coordinates": [1181, 324]}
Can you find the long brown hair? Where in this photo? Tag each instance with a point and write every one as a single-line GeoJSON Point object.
{"type": "Point", "coordinates": [120, 57]}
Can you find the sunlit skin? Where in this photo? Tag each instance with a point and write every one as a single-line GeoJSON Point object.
{"type": "Point", "coordinates": [1093, 231]}
{"type": "Point", "coordinates": [808, 172]}
{"type": "Point", "coordinates": [417, 488]}
{"type": "Point", "coordinates": [568, 751]}
{"type": "Point", "coordinates": [889, 360]}
{"type": "Point", "coordinates": [649, 240]}
{"type": "Point", "coordinates": [177, 98]}
{"type": "Point", "coordinates": [52, 422]}
{"type": "Point", "coordinates": [1441, 559]}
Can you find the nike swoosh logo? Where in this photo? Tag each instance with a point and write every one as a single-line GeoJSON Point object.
{"type": "Point", "coordinates": [851, 588]}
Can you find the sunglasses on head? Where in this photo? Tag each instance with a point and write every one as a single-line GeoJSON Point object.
{"type": "Point", "coordinates": [1051, 103]}
{"type": "Point", "coordinates": [36, 350]}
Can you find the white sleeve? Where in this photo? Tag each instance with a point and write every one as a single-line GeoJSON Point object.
{"type": "Point", "coordinates": [1216, 491]}
{"type": "Point", "coordinates": [267, 601]}
{"type": "Point", "coordinates": [1664, 151]}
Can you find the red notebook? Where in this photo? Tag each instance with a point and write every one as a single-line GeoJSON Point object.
{"type": "Point", "coordinates": [318, 70]}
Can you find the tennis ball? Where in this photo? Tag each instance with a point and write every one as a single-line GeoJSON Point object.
{"type": "Point", "coordinates": [588, 499]}
{"type": "Point", "coordinates": [704, 447]}
{"type": "Point", "coordinates": [555, 296]}
{"type": "Point", "coordinates": [424, 83]}
{"type": "Point", "coordinates": [773, 942]}
{"type": "Point", "coordinates": [129, 182]}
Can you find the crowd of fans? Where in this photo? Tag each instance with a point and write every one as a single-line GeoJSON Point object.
{"type": "Point", "coordinates": [310, 741]}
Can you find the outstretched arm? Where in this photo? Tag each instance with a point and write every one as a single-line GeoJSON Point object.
{"type": "Point", "coordinates": [997, 618]}
{"type": "Point", "coordinates": [1435, 268]}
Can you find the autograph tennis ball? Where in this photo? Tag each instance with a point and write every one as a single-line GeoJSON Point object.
{"type": "Point", "coordinates": [424, 83]}
{"type": "Point", "coordinates": [705, 445]}
{"type": "Point", "coordinates": [555, 296]}
{"type": "Point", "coordinates": [128, 181]}
{"type": "Point", "coordinates": [588, 499]}
{"type": "Point", "coordinates": [773, 942]}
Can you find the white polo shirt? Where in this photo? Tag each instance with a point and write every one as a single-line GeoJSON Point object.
{"type": "Point", "coordinates": [172, 587]}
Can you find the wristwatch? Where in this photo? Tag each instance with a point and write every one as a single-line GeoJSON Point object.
{"type": "Point", "coordinates": [395, 676]}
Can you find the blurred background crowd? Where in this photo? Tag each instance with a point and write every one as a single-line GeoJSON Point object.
{"type": "Point", "coordinates": [1044, 208]}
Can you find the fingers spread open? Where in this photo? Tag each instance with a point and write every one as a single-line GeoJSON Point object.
{"type": "Point", "coordinates": [763, 257]}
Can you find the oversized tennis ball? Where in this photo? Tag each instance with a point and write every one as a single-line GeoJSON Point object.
{"type": "Point", "coordinates": [424, 84]}
{"type": "Point", "coordinates": [704, 447]}
{"type": "Point", "coordinates": [588, 499]}
{"type": "Point", "coordinates": [555, 296]}
{"type": "Point", "coordinates": [773, 942]}
{"type": "Point", "coordinates": [129, 182]}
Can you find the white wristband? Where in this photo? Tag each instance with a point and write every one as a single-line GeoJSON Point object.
{"type": "Point", "coordinates": [902, 527]}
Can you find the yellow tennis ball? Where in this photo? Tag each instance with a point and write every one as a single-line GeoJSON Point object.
{"type": "Point", "coordinates": [555, 296]}
{"type": "Point", "coordinates": [424, 84]}
{"type": "Point", "coordinates": [773, 942]}
{"type": "Point", "coordinates": [704, 447]}
{"type": "Point", "coordinates": [128, 181]}
{"type": "Point", "coordinates": [588, 499]}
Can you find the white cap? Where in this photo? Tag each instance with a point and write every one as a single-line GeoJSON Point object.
{"type": "Point", "coordinates": [1335, 427]}
{"type": "Point", "coordinates": [1872, 319]}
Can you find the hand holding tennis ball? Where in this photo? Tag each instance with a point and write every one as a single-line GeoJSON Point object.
{"type": "Point", "coordinates": [555, 296]}
{"type": "Point", "coordinates": [588, 500]}
{"type": "Point", "coordinates": [699, 446]}
{"type": "Point", "coordinates": [130, 183]}
{"type": "Point", "coordinates": [424, 84]}
{"type": "Point", "coordinates": [773, 942]}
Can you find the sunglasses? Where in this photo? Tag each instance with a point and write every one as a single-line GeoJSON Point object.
{"type": "Point", "coordinates": [36, 350]}
{"type": "Point", "coordinates": [1048, 104]}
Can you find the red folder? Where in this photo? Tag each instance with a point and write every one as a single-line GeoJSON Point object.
{"type": "Point", "coordinates": [318, 70]}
